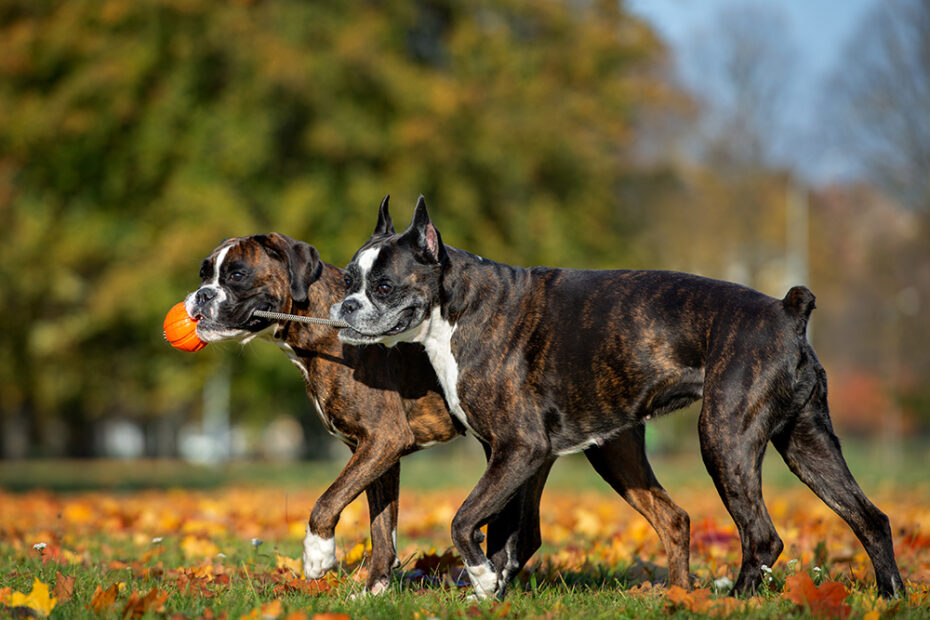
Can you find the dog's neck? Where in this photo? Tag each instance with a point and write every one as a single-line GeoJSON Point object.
{"type": "Point", "coordinates": [464, 287]}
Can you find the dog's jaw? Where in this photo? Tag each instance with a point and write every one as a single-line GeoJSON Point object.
{"type": "Point", "coordinates": [414, 331]}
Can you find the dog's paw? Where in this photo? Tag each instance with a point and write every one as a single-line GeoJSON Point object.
{"type": "Point", "coordinates": [377, 588]}
{"type": "Point", "coordinates": [319, 555]}
{"type": "Point", "coordinates": [483, 579]}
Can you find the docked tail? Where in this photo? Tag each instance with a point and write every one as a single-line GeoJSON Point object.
{"type": "Point", "coordinates": [798, 304]}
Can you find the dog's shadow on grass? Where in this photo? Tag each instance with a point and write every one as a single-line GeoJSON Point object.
{"type": "Point", "coordinates": [547, 576]}
{"type": "Point", "coordinates": [599, 576]}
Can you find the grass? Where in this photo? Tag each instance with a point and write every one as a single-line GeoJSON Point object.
{"type": "Point", "coordinates": [101, 518]}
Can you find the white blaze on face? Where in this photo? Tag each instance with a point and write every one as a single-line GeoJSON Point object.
{"type": "Point", "coordinates": [214, 283]}
{"type": "Point", "coordinates": [365, 262]}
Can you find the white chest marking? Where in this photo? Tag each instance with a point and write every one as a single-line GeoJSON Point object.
{"type": "Point", "coordinates": [437, 340]}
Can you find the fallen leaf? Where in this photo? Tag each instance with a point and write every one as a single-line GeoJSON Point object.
{"type": "Point", "coordinates": [356, 553]}
{"type": "Point", "coordinates": [432, 564]}
{"type": "Point", "coordinates": [310, 587]}
{"type": "Point", "coordinates": [138, 604]}
{"type": "Point", "coordinates": [194, 586]}
{"type": "Point", "coordinates": [700, 601]}
{"type": "Point", "coordinates": [64, 587]}
{"type": "Point", "coordinates": [103, 599]}
{"type": "Point", "coordinates": [824, 601]}
{"type": "Point", "coordinates": [38, 600]}
{"type": "Point", "coordinates": [295, 566]}
{"type": "Point", "coordinates": [697, 601]}
{"type": "Point", "coordinates": [269, 611]}
{"type": "Point", "coordinates": [197, 547]}
{"type": "Point", "coordinates": [330, 616]}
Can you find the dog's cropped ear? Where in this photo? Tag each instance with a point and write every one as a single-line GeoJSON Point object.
{"type": "Point", "coordinates": [303, 262]}
{"type": "Point", "coordinates": [385, 225]}
{"type": "Point", "coordinates": [424, 237]}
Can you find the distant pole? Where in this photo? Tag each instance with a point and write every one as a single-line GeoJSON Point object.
{"type": "Point", "coordinates": [216, 426]}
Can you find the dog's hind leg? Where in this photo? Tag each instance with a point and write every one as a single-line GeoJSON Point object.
{"type": "Point", "coordinates": [382, 506]}
{"type": "Point", "coordinates": [734, 434]}
{"type": "Point", "coordinates": [812, 452]}
{"type": "Point", "coordinates": [623, 464]}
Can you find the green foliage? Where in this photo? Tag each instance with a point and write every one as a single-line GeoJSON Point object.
{"type": "Point", "coordinates": [137, 134]}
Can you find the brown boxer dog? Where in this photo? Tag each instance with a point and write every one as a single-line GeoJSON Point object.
{"type": "Point", "coordinates": [543, 362]}
{"type": "Point", "coordinates": [384, 403]}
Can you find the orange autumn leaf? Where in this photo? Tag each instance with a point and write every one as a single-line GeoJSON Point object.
{"type": "Point", "coordinates": [64, 587]}
{"type": "Point", "coordinates": [37, 600]}
{"type": "Point", "coordinates": [696, 601]}
{"type": "Point", "coordinates": [5, 595]}
{"type": "Point", "coordinates": [268, 611]}
{"type": "Point", "coordinates": [331, 616]}
{"type": "Point", "coordinates": [700, 601]}
{"type": "Point", "coordinates": [311, 587]}
{"type": "Point", "coordinates": [356, 553]}
{"type": "Point", "coordinates": [824, 601]}
{"type": "Point", "coordinates": [103, 599]}
{"type": "Point", "coordinates": [196, 547]}
{"type": "Point", "coordinates": [295, 566]}
{"type": "Point", "coordinates": [138, 605]}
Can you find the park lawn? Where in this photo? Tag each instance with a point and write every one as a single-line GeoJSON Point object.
{"type": "Point", "coordinates": [227, 545]}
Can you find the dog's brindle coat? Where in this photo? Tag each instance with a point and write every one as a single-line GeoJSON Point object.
{"type": "Point", "coordinates": [542, 362]}
{"type": "Point", "coordinates": [385, 403]}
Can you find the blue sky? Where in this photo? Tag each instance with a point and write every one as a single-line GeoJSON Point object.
{"type": "Point", "coordinates": [820, 31]}
{"type": "Point", "coordinates": [821, 27]}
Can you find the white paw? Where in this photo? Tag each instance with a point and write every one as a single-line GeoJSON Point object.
{"type": "Point", "coordinates": [380, 587]}
{"type": "Point", "coordinates": [483, 579]}
{"type": "Point", "coordinates": [319, 555]}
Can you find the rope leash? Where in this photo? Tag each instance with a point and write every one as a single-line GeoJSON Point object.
{"type": "Point", "coordinates": [280, 316]}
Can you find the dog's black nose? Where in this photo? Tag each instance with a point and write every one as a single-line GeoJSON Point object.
{"type": "Point", "coordinates": [349, 306]}
{"type": "Point", "coordinates": [204, 296]}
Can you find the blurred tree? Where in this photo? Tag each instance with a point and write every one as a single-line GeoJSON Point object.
{"type": "Point", "coordinates": [881, 97]}
{"type": "Point", "coordinates": [728, 217]}
{"type": "Point", "coordinates": [136, 134]}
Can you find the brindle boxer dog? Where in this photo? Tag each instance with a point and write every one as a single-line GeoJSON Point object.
{"type": "Point", "coordinates": [384, 403]}
{"type": "Point", "coordinates": [543, 362]}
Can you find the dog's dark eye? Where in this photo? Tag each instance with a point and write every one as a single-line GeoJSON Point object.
{"type": "Point", "coordinates": [385, 288]}
{"type": "Point", "coordinates": [236, 276]}
{"type": "Point", "coordinates": [348, 282]}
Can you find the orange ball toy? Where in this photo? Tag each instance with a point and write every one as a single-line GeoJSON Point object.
{"type": "Point", "coordinates": [181, 330]}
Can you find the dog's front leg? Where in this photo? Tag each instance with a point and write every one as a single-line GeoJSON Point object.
{"type": "Point", "coordinates": [369, 462]}
{"type": "Point", "coordinates": [509, 467]}
{"type": "Point", "coordinates": [513, 535]}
